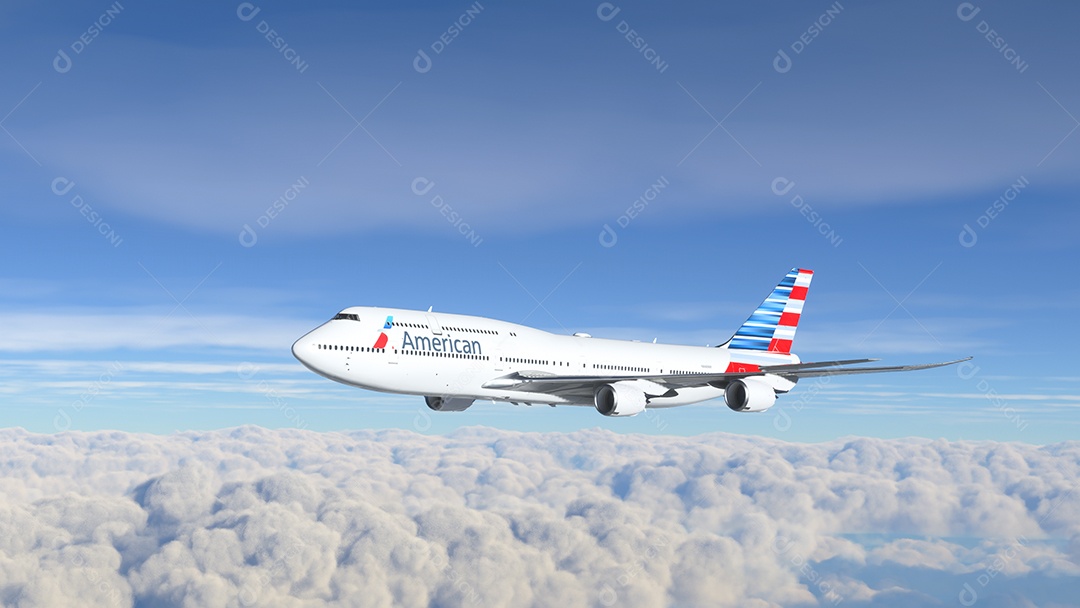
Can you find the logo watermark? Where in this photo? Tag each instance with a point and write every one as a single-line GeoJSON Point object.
{"type": "Point", "coordinates": [423, 63]}
{"type": "Point", "coordinates": [781, 419]}
{"type": "Point", "coordinates": [968, 594]}
{"type": "Point", "coordinates": [247, 11]}
{"type": "Point", "coordinates": [91, 574]}
{"type": "Point", "coordinates": [248, 236]}
{"type": "Point", "coordinates": [967, 11]}
{"type": "Point", "coordinates": [248, 371]}
{"type": "Point", "coordinates": [783, 62]}
{"type": "Point", "coordinates": [63, 62]}
{"type": "Point", "coordinates": [61, 186]}
{"type": "Point", "coordinates": [249, 594]}
{"type": "Point", "coordinates": [62, 420]}
{"type": "Point", "coordinates": [968, 371]}
{"type": "Point", "coordinates": [608, 236]}
{"type": "Point", "coordinates": [442, 563]}
{"type": "Point", "coordinates": [607, 11]}
{"type": "Point", "coordinates": [968, 235]}
{"type": "Point", "coordinates": [781, 186]}
{"type": "Point", "coordinates": [608, 596]}
{"type": "Point", "coordinates": [421, 186]}
{"type": "Point", "coordinates": [782, 546]}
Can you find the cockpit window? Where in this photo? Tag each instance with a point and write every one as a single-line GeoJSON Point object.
{"type": "Point", "coordinates": [346, 317]}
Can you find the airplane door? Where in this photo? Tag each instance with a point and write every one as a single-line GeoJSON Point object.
{"type": "Point", "coordinates": [497, 357]}
{"type": "Point", "coordinates": [433, 325]}
{"type": "Point", "coordinates": [579, 361]}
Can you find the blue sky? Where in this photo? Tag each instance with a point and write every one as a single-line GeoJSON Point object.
{"type": "Point", "coordinates": [893, 128]}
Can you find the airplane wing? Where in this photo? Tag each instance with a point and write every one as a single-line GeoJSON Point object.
{"type": "Point", "coordinates": [839, 368]}
{"type": "Point", "coordinates": [544, 382]}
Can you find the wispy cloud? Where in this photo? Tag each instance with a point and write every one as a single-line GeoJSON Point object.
{"type": "Point", "coordinates": [142, 329]}
{"type": "Point", "coordinates": [212, 167]}
{"type": "Point", "coordinates": [14, 367]}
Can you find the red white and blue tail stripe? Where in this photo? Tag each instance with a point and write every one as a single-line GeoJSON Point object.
{"type": "Point", "coordinates": [772, 326]}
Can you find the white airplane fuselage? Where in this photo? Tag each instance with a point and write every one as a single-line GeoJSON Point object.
{"type": "Point", "coordinates": [455, 355]}
{"type": "Point", "coordinates": [453, 360]}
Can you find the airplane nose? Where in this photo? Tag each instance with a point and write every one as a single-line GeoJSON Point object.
{"type": "Point", "coordinates": [305, 351]}
{"type": "Point", "coordinates": [300, 349]}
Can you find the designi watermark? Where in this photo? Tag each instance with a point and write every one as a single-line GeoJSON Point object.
{"type": "Point", "coordinates": [61, 186]}
{"type": "Point", "coordinates": [967, 11]}
{"type": "Point", "coordinates": [63, 62]}
{"type": "Point", "coordinates": [781, 186]}
{"type": "Point", "coordinates": [423, 63]}
{"type": "Point", "coordinates": [62, 420]}
{"type": "Point", "coordinates": [421, 186]}
{"type": "Point", "coordinates": [609, 236]}
{"type": "Point", "coordinates": [783, 62]}
{"type": "Point", "coordinates": [247, 11]}
{"type": "Point", "coordinates": [607, 11]}
{"type": "Point", "coordinates": [248, 236]}
{"type": "Point", "coordinates": [968, 235]}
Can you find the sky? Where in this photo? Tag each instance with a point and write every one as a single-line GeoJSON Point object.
{"type": "Point", "coordinates": [190, 188]}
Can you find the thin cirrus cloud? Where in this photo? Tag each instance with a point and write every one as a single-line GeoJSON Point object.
{"type": "Point", "coordinates": [936, 122]}
{"type": "Point", "coordinates": [144, 329]}
{"type": "Point", "coordinates": [65, 367]}
{"type": "Point", "coordinates": [483, 517]}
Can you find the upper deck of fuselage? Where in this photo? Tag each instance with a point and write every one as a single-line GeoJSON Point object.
{"type": "Point", "coordinates": [441, 321]}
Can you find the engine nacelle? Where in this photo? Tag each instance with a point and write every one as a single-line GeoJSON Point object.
{"type": "Point", "coordinates": [619, 399]}
{"type": "Point", "coordinates": [448, 404]}
{"type": "Point", "coordinates": [749, 395]}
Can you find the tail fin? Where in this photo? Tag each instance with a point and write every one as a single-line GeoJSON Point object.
{"type": "Point", "coordinates": [772, 326]}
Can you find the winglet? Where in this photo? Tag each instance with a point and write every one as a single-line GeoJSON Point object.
{"type": "Point", "coordinates": [772, 326]}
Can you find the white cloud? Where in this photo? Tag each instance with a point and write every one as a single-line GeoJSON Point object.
{"type": "Point", "coordinates": [250, 516]}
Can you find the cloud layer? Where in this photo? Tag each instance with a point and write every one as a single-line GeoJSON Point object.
{"type": "Point", "coordinates": [253, 517]}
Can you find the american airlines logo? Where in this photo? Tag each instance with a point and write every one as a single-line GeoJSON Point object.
{"type": "Point", "coordinates": [381, 341]}
{"type": "Point", "coordinates": [441, 345]}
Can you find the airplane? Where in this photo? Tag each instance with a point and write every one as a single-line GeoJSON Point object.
{"type": "Point", "coordinates": [455, 360]}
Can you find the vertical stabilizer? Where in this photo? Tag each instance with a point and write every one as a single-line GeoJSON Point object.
{"type": "Point", "coordinates": [772, 326]}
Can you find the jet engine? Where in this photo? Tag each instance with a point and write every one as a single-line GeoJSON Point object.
{"type": "Point", "coordinates": [751, 394]}
{"type": "Point", "coordinates": [448, 404]}
{"type": "Point", "coordinates": [619, 399]}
